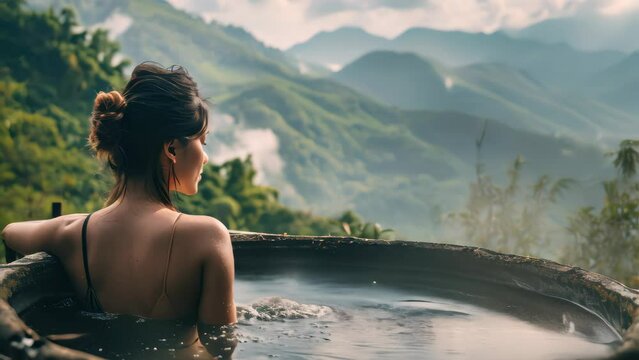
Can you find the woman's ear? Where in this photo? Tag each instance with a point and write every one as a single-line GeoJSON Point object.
{"type": "Point", "coordinates": [169, 151]}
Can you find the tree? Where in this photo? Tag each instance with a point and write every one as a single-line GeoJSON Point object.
{"type": "Point", "coordinates": [504, 218]}
{"type": "Point", "coordinates": [607, 241]}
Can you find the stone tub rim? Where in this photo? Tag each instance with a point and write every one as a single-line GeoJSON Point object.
{"type": "Point", "coordinates": [617, 300]}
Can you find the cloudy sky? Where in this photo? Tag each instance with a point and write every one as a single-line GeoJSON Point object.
{"type": "Point", "coordinates": [282, 23]}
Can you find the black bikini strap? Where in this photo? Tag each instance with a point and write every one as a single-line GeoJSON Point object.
{"type": "Point", "coordinates": [84, 251]}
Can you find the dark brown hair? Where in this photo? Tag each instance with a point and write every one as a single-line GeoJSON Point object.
{"type": "Point", "coordinates": [128, 129]}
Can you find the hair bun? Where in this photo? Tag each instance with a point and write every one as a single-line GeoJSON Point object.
{"type": "Point", "coordinates": [106, 122]}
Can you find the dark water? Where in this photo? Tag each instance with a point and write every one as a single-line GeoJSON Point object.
{"type": "Point", "coordinates": [301, 317]}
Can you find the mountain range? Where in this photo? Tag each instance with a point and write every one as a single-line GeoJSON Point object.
{"type": "Point", "coordinates": [548, 86]}
{"type": "Point", "coordinates": [341, 146]}
{"type": "Point", "coordinates": [557, 65]}
{"type": "Point", "coordinates": [618, 85]}
{"type": "Point", "coordinates": [589, 31]}
{"type": "Point", "coordinates": [492, 90]}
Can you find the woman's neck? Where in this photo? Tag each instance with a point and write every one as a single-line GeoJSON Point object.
{"type": "Point", "coordinates": [137, 198]}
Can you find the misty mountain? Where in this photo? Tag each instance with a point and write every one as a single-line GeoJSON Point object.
{"type": "Point", "coordinates": [337, 148]}
{"type": "Point", "coordinates": [401, 79]}
{"type": "Point", "coordinates": [492, 90]}
{"type": "Point", "coordinates": [587, 31]}
{"type": "Point", "coordinates": [220, 57]}
{"type": "Point", "coordinates": [556, 65]}
{"type": "Point", "coordinates": [560, 157]}
{"type": "Point", "coordinates": [618, 85]}
{"type": "Point", "coordinates": [341, 148]}
{"type": "Point", "coordinates": [457, 132]}
{"type": "Point", "coordinates": [351, 42]}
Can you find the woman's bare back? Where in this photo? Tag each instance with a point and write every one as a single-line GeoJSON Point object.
{"type": "Point", "coordinates": [145, 263]}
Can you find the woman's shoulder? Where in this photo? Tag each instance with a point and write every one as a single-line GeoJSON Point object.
{"type": "Point", "coordinates": [49, 235]}
{"type": "Point", "coordinates": [203, 230]}
{"type": "Point", "coordinates": [201, 223]}
{"type": "Point", "coordinates": [69, 219]}
{"type": "Point", "coordinates": [67, 224]}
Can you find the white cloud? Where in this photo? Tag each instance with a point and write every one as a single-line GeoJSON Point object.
{"type": "Point", "coordinates": [448, 82]}
{"type": "Point", "coordinates": [220, 122]}
{"type": "Point", "coordinates": [325, 7]}
{"type": "Point", "coordinates": [116, 24]}
{"type": "Point", "coordinates": [618, 7]}
{"type": "Point", "coordinates": [282, 23]}
{"type": "Point", "coordinates": [302, 67]}
{"type": "Point", "coordinates": [229, 140]}
{"type": "Point", "coordinates": [334, 67]}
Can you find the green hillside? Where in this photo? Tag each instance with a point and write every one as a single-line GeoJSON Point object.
{"type": "Point", "coordinates": [346, 151]}
{"type": "Point", "coordinates": [492, 90]}
{"type": "Point", "coordinates": [339, 149]}
{"type": "Point", "coordinates": [48, 77]}
{"type": "Point", "coordinates": [49, 74]}
{"type": "Point", "coordinates": [556, 65]}
{"type": "Point", "coordinates": [220, 57]}
{"type": "Point", "coordinates": [561, 157]}
{"type": "Point", "coordinates": [47, 71]}
{"type": "Point", "coordinates": [352, 42]}
{"type": "Point", "coordinates": [585, 164]}
{"type": "Point", "coordinates": [618, 85]}
{"type": "Point", "coordinates": [401, 79]}
{"type": "Point", "coordinates": [590, 31]}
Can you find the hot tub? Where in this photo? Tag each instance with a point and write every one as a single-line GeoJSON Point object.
{"type": "Point", "coordinates": [338, 297]}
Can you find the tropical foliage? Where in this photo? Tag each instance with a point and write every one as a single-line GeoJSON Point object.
{"type": "Point", "coordinates": [606, 240]}
{"type": "Point", "coordinates": [49, 75]}
{"type": "Point", "coordinates": [229, 193]}
{"type": "Point", "coordinates": [505, 218]}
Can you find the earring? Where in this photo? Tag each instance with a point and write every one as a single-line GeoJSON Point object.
{"type": "Point", "coordinates": [172, 151]}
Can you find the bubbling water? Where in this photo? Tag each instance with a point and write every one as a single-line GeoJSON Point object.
{"type": "Point", "coordinates": [279, 309]}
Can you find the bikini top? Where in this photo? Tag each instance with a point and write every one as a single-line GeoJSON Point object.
{"type": "Point", "coordinates": [91, 301]}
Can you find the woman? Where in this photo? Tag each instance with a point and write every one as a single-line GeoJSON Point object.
{"type": "Point", "coordinates": [139, 255]}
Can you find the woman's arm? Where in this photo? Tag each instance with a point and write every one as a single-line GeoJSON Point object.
{"type": "Point", "coordinates": [216, 298]}
{"type": "Point", "coordinates": [28, 237]}
{"type": "Point", "coordinates": [216, 311]}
